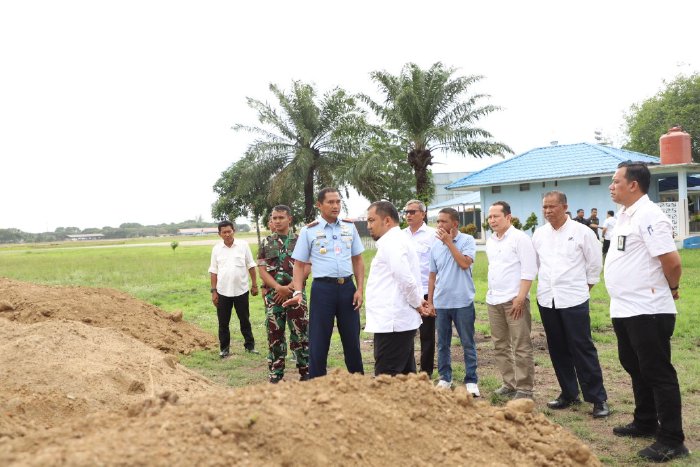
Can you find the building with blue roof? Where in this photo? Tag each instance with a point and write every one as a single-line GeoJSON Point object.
{"type": "Point", "coordinates": [583, 172]}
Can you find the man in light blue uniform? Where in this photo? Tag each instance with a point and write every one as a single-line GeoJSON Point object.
{"type": "Point", "coordinates": [451, 292]}
{"type": "Point", "coordinates": [334, 249]}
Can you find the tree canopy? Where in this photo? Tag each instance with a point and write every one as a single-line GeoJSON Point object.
{"type": "Point", "coordinates": [431, 110]}
{"type": "Point", "coordinates": [678, 104]}
{"type": "Point", "coordinates": [302, 141]}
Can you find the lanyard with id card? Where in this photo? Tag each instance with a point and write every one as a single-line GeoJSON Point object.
{"type": "Point", "coordinates": [621, 242]}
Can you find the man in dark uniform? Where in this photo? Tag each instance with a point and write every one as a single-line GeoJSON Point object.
{"type": "Point", "coordinates": [581, 219]}
{"type": "Point", "coordinates": [594, 222]}
{"type": "Point", "coordinates": [334, 249]}
{"type": "Point", "coordinates": [276, 268]}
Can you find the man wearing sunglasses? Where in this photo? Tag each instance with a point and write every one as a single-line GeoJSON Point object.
{"type": "Point", "coordinates": [422, 237]}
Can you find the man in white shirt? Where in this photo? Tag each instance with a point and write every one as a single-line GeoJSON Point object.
{"type": "Point", "coordinates": [642, 274]}
{"type": "Point", "coordinates": [512, 268]}
{"type": "Point", "coordinates": [570, 261]}
{"type": "Point", "coordinates": [608, 226]}
{"type": "Point", "coordinates": [423, 237]}
{"type": "Point", "coordinates": [394, 298]}
{"type": "Point", "coordinates": [229, 286]}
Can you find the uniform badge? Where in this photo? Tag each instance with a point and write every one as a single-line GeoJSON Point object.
{"type": "Point", "coordinates": [323, 250]}
{"type": "Point", "coordinates": [621, 241]}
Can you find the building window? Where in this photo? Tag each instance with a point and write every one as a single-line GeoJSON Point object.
{"type": "Point", "coordinates": [594, 181]}
{"type": "Point", "coordinates": [495, 189]}
{"type": "Point", "coordinates": [556, 182]}
{"type": "Point", "coordinates": [543, 183]}
{"type": "Point", "coordinates": [524, 187]}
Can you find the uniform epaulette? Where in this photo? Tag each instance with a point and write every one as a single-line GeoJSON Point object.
{"type": "Point", "coordinates": [312, 224]}
{"type": "Point", "coordinates": [347, 219]}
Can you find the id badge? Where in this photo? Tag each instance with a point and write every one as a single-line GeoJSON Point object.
{"type": "Point", "coordinates": [338, 249]}
{"type": "Point", "coordinates": [621, 241]}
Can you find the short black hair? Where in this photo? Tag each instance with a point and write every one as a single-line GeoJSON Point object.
{"type": "Point", "coordinates": [385, 209]}
{"type": "Point", "coordinates": [637, 172]}
{"type": "Point", "coordinates": [223, 224]}
{"type": "Point", "coordinates": [322, 194]}
{"type": "Point", "coordinates": [505, 206]}
{"type": "Point", "coordinates": [454, 215]}
{"type": "Point", "coordinates": [580, 210]}
{"type": "Point", "coordinates": [282, 207]}
{"type": "Point", "coordinates": [611, 213]}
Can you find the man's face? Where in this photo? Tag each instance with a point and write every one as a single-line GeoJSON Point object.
{"type": "Point", "coordinates": [281, 221]}
{"type": "Point", "coordinates": [226, 233]}
{"type": "Point", "coordinates": [376, 224]}
{"type": "Point", "coordinates": [414, 216]}
{"type": "Point", "coordinates": [579, 214]}
{"type": "Point", "coordinates": [620, 188]}
{"type": "Point", "coordinates": [330, 206]}
{"type": "Point", "coordinates": [553, 210]}
{"type": "Point", "coordinates": [498, 221]}
{"type": "Point", "coordinates": [594, 212]}
{"type": "Point", "coordinates": [445, 222]}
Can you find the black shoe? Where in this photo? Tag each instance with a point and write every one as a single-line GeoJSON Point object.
{"type": "Point", "coordinates": [253, 351]}
{"type": "Point", "coordinates": [562, 403]}
{"type": "Point", "coordinates": [659, 452]}
{"type": "Point", "coordinates": [634, 431]}
{"type": "Point", "coordinates": [600, 410]}
{"type": "Point", "coordinates": [305, 377]}
{"type": "Point", "coordinates": [223, 354]}
{"type": "Point", "coordinates": [276, 379]}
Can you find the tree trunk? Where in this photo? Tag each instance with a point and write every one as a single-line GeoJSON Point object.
{"type": "Point", "coordinates": [420, 159]}
{"type": "Point", "coordinates": [309, 212]}
{"type": "Point", "coordinates": [257, 229]}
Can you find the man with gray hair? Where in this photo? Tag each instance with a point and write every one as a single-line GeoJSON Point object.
{"type": "Point", "coordinates": [422, 236]}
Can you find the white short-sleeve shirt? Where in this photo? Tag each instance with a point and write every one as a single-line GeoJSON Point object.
{"type": "Point", "coordinates": [633, 274]}
{"type": "Point", "coordinates": [512, 259]}
{"type": "Point", "coordinates": [231, 264]}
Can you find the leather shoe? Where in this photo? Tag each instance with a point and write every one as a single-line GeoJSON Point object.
{"type": "Point", "coordinates": [600, 410]}
{"type": "Point", "coordinates": [562, 403]}
{"type": "Point", "coordinates": [659, 452]}
{"type": "Point", "coordinates": [634, 431]}
{"type": "Point", "coordinates": [253, 351]}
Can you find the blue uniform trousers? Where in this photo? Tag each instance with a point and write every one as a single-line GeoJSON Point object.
{"type": "Point", "coordinates": [330, 301]}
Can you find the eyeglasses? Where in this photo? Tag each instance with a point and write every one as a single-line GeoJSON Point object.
{"type": "Point", "coordinates": [411, 211]}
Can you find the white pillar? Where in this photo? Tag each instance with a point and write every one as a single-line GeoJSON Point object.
{"type": "Point", "coordinates": [684, 218]}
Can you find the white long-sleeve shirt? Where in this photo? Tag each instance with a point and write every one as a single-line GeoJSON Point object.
{"type": "Point", "coordinates": [512, 259]}
{"type": "Point", "coordinates": [394, 288]}
{"type": "Point", "coordinates": [423, 240]}
{"type": "Point", "coordinates": [231, 265]}
{"type": "Point", "coordinates": [569, 259]}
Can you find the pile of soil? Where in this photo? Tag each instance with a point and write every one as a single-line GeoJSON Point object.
{"type": "Point", "coordinates": [105, 308]}
{"type": "Point", "coordinates": [341, 419]}
{"type": "Point", "coordinates": [58, 370]}
{"type": "Point", "coordinates": [88, 377]}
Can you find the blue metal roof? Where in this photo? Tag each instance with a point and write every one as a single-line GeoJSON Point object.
{"type": "Point", "coordinates": [471, 197]}
{"type": "Point", "coordinates": [550, 162]}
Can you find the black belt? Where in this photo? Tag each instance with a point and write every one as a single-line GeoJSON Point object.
{"type": "Point", "coordinates": [334, 280]}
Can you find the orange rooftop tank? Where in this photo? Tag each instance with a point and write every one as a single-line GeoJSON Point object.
{"type": "Point", "coordinates": [675, 147]}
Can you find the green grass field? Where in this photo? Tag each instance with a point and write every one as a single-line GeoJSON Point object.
{"type": "Point", "coordinates": [178, 280]}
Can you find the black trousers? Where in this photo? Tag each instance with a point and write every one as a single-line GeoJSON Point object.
{"type": "Point", "coordinates": [223, 312]}
{"type": "Point", "coordinates": [394, 353]}
{"type": "Point", "coordinates": [606, 246]}
{"type": "Point", "coordinates": [644, 346]}
{"type": "Point", "coordinates": [427, 343]}
{"type": "Point", "coordinates": [573, 355]}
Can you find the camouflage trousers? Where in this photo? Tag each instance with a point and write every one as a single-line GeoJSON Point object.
{"type": "Point", "coordinates": [277, 318]}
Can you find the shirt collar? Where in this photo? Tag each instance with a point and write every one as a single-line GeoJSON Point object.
{"type": "Point", "coordinates": [505, 234]}
{"type": "Point", "coordinates": [632, 209]}
{"type": "Point", "coordinates": [388, 234]}
{"type": "Point", "coordinates": [323, 223]}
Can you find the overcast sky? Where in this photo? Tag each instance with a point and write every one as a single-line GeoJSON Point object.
{"type": "Point", "coordinates": [121, 111]}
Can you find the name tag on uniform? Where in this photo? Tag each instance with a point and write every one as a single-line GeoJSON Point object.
{"type": "Point", "coordinates": [621, 241]}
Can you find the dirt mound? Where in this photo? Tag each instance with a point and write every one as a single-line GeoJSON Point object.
{"type": "Point", "coordinates": [340, 419]}
{"type": "Point", "coordinates": [54, 371]}
{"type": "Point", "coordinates": [105, 308]}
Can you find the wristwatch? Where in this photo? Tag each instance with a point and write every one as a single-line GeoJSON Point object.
{"type": "Point", "coordinates": [212, 290]}
{"type": "Point", "coordinates": [295, 293]}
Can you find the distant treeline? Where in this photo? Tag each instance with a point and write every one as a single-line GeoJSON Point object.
{"type": "Point", "coordinates": [126, 230]}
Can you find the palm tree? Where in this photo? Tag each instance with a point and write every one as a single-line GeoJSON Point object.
{"type": "Point", "coordinates": [304, 140]}
{"type": "Point", "coordinates": [431, 110]}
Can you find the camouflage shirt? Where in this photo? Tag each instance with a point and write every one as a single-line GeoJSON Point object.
{"type": "Point", "coordinates": [276, 255]}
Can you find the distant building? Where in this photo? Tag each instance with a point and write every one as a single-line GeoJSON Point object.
{"type": "Point", "coordinates": [76, 237]}
{"type": "Point", "coordinates": [199, 231]}
{"type": "Point", "coordinates": [583, 171]}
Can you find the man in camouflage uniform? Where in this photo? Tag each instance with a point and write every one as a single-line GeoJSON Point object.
{"type": "Point", "coordinates": [276, 266]}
